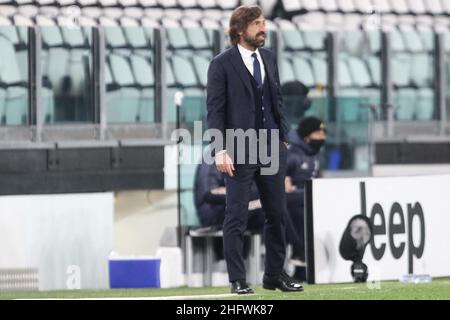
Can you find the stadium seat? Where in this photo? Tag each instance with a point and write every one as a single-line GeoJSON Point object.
{"type": "Point", "coordinates": [319, 66]}
{"type": "Point", "coordinates": [207, 4]}
{"type": "Point", "coordinates": [128, 3]}
{"type": "Point", "coordinates": [125, 106]}
{"type": "Point", "coordinates": [417, 6]}
{"type": "Point", "coordinates": [10, 32]}
{"type": "Point", "coordinates": [401, 70]}
{"type": "Point", "coordinates": [314, 20]}
{"type": "Point", "coordinates": [425, 104]}
{"type": "Point", "coordinates": [87, 3]}
{"type": "Point", "coordinates": [351, 105]}
{"type": "Point", "coordinates": [196, 35]}
{"type": "Point", "coordinates": [194, 106]}
{"type": "Point", "coordinates": [434, 7]}
{"type": "Point", "coordinates": [328, 5]}
{"type": "Point", "coordinates": [344, 76]}
{"type": "Point", "coordinates": [144, 75]}
{"type": "Point", "coordinates": [186, 4]}
{"type": "Point", "coordinates": [201, 65]}
{"type": "Point", "coordinates": [228, 4]}
{"type": "Point", "coordinates": [374, 65]}
{"type": "Point", "coordinates": [291, 35]}
{"type": "Point", "coordinates": [108, 3]}
{"type": "Point", "coordinates": [364, 6]}
{"type": "Point", "coordinates": [422, 70]}
{"type": "Point", "coordinates": [184, 71]}
{"type": "Point", "coordinates": [155, 14]}
{"type": "Point", "coordinates": [148, 3]}
{"type": "Point", "coordinates": [353, 21]}
{"type": "Point", "coordinates": [346, 6]}
{"type": "Point", "coordinates": [287, 71]}
{"type": "Point", "coordinates": [170, 77]}
{"type": "Point", "coordinates": [397, 41]}
{"type": "Point", "coordinates": [291, 5]}
{"type": "Point", "coordinates": [310, 5]}
{"type": "Point", "coordinates": [405, 101]}
{"type": "Point", "coordinates": [314, 40]}
{"type": "Point", "coordinates": [400, 6]}
{"type": "Point", "coordinates": [303, 71]}
{"type": "Point", "coordinates": [16, 96]}
{"type": "Point", "coordinates": [382, 6]}
{"type": "Point", "coordinates": [2, 105]}
{"type": "Point", "coordinates": [167, 3]}
{"type": "Point", "coordinates": [445, 6]}
{"type": "Point", "coordinates": [176, 36]}
{"type": "Point", "coordinates": [359, 72]}
{"type": "Point", "coordinates": [413, 42]}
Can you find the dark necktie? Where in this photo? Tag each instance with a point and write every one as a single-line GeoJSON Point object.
{"type": "Point", "coordinates": [257, 70]}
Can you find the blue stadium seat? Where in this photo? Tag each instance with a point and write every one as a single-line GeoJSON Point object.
{"type": "Point", "coordinates": [16, 95]}
{"type": "Point", "coordinates": [319, 66]}
{"type": "Point", "coordinates": [291, 35]}
{"type": "Point", "coordinates": [344, 76]}
{"type": "Point", "coordinates": [352, 105]}
{"type": "Point", "coordinates": [201, 64]}
{"type": "Point", "coordinates": [287, 71]}
{"type": "Point", "coordinates": [2, 104]}
{"type": "Point", "coordinates": [359, 72]}
{"type": "Point", "coordinates": [303, 71]}
{"type": "Point", "coordinates": [425, 104]}
{"type": "Point", "coordinates": [144, 75]}
{"type": "Point", "coordinates": [184, 71]}
{"type": "Point", "coordinates": [125, 106]}
{"type": "Point", "coordinates": [405, 101]}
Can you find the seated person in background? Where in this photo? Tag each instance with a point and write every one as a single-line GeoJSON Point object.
{"type": "Point", "coordinates": [209, 197]}
{"type": "Point", "coordinates": [302, 164]}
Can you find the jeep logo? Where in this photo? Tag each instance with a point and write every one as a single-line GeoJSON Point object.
{"type": "Point", "coordinates": [390, 228]}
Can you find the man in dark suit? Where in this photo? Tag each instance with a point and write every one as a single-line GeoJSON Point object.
{"type": "Point", "coordinates": [243, 93]}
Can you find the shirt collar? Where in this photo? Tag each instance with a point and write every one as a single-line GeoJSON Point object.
{"type": "Point", "coordinates": [247, 53]}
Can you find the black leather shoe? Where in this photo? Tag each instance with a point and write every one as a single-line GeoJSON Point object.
{"type": "Point", "coordinates": [281, 282]}
{"type": "Point", "coordinates": [240, 287]}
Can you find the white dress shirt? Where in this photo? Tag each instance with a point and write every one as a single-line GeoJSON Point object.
{"type": "Point", "coordinates": [249, 60]}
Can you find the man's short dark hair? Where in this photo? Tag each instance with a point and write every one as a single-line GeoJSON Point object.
{"type": "Point", "coordinates": [241, 19]}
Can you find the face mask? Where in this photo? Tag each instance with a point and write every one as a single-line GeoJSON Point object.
{"type": "Point", "coordinates": [316, 144]}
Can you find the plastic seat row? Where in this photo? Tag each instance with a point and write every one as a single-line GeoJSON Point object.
{"type": "Point", "coordinates": [432, 7]}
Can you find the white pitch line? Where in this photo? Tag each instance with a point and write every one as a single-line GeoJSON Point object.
{"type": "Point", "coordinates": [206, 296]}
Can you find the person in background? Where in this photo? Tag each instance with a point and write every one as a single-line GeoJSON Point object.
{"type": "Point", "coordinates": [210, 199]}
{"type": "Point", "coordinates": [302, 164]}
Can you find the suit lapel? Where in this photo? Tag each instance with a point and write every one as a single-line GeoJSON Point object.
{"type": "Point", "coordinates": [241, 70]}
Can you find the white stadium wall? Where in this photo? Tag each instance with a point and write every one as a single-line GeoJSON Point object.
{"type": "Point", "coordinates": [67, 238]}
{"type": "Point", "coordinates": [411, 218]}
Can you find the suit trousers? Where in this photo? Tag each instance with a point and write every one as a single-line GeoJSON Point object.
{"type": "Point", "coordinates": [273, 200]}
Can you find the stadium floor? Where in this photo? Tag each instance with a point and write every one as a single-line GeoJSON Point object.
{"type": "Point", "coordinates": [391, 290]}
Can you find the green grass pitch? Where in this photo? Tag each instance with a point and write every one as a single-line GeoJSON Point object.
{"type": "Point", "coordinates": [389, 290]}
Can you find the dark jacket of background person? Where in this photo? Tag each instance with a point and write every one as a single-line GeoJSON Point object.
{"type": "Point", "coordinates": [211, 207]}
{"type": "Point", "coordinates": [302, 160]}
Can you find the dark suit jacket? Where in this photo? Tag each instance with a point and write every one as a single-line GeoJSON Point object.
{"type": "Point", "coordinates": [230, 98]}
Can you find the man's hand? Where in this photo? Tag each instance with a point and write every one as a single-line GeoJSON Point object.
{"type": "Point", "coordinates": [219, 190]}
{"type": "Point", "coordinates": [254, 204]}
{"type": "Point", "coordinates": [288, 185]}
{"type": "Point", "coordinates": [224, 163]}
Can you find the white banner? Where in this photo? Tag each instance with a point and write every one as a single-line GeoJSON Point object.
{"type": "Point", "coordinates": [67, 237]}
{"type": "Point", "coordinates": [411, 226]}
